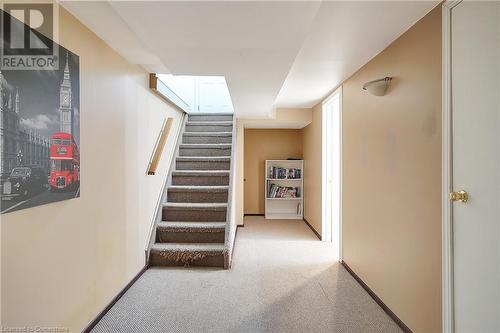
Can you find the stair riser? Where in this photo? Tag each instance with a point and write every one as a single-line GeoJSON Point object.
{"type": "Point", "coordinates": [205, 151]}
{"type": "Point", "coordinates": [209, 261]}
{"type": "Point", "coordinates": [166, 236]}
{"type": "Point", "coordinates": [210, 118]}
{"type": "Point", "coordinates": [206, 139]}
{"type": "Point", "coordinates": [209, 128]}
{"type": "Point", "coordinates": [202, 165]}
{"type": "Point", "coordinates": [197, 196]}
{"type": "Point", "coordinates": [201, 180]}
{"type": "Point", "coordinates": [194, 215]}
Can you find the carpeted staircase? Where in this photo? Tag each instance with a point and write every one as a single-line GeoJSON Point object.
{"type": "Point", "coordinates": [192, 231]}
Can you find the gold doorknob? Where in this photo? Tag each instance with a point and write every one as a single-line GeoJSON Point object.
{"type": "Point", "coordinates": [461, 196]}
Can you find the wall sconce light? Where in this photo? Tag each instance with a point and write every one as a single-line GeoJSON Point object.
{"type": "Point", "coordinates": [377, 87]}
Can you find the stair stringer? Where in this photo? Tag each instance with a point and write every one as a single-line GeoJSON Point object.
{"type": "Point", "coordinates": [230, 233]}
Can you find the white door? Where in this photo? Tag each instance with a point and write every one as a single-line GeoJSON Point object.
{"type": "Point", "coordinates": [331, 171]}
{"type": "Point", "coordinates": [475, 114]}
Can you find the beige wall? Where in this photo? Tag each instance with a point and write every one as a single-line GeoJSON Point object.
{"type": "Point", "coordinates": [281, 118]}
{"type": "Point", "coordinates": [312, 142]}
{"type": "Point", "coordinates": [392, 176]}
{"type": "Point", "coordinates": [63, 262]}
{"type": "Point", "coordinates": [261, 145]}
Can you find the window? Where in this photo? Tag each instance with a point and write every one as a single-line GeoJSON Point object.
{"type": "Point", "coordinates": [62, 165]}
{"type": "Point", "coordinates": [55, 165]}
{"type": "Point", "coordinates": [20, 172]}
{"type": "Point", "coordinates": [67, 165]}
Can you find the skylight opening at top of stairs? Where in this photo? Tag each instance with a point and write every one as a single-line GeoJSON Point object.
{"type": "Point", "coordinates": [200, 94]}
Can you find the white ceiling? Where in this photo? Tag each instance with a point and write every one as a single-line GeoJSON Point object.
{"type": "Point", "coordinates": [273, 54]}
{"type": "Point", "coordinates": [343, 37]}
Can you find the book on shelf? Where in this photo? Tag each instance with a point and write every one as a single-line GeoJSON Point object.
{"type": "Point", "coordinates": [275, 191]}
{"type": "Point", "coordinates": [299, 208]}
{"type": "Point", "coordinates": [284, 173]}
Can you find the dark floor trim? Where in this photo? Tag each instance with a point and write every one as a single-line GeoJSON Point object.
{"type": "Point", "coordinates": [254, 215]}
{"type": "Point", "coordinates": [108, 307]}
{"type": "Point", "coordinates": [384, 307]}
{"type": "Point", "coordinates": [313, 230]}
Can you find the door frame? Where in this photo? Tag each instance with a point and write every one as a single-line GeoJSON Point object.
{"type": "Point", "coordinates": [324, 236]}
{"type": "Point", "coordinates": [446, 188]}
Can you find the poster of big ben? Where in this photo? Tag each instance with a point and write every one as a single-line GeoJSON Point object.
{"type": "Point", "coordinates": [40, 134]}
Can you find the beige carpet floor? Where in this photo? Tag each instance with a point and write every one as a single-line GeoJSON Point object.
{"type": "Point", "coordinates": [283, 279]}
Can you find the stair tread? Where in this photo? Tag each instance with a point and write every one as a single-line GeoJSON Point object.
{"type": "Point", "coordinates": [205, 145]}
{"type": "Point", "coordinates": [196, 204]}
{"type": "Point", "coordinates": [188, 247]}
{"type": "Point", "coordinates": [208, 158]}
{"type": "Point", "coordinates": [211, 114]}
{"type": "Point", "coordinates": [202, 172]}
{"type": "Point", "coordinates": [189, 222]}
{"type": "Point", "coordinates": [197, 187]}
{"type": "Point", "coordinates": [210, 122]}
{"type": "Point", "coordinates": [208, 133]}
{"type": "Point", "coordinates": [191, 225]}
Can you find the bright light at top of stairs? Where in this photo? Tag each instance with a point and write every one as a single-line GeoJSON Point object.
{"type": "Point", "coordinates": [203, 94]}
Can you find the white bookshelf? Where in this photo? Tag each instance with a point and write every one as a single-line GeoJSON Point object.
{"type": "Point", "coordinates": [287, 207]}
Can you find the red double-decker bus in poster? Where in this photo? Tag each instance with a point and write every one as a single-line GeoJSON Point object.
{"type": "Point", "coordinates": [64, 162]}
